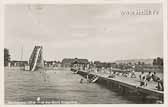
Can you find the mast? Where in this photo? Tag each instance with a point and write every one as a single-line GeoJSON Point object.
{"type": "Point", "coordinates": [21, 57]}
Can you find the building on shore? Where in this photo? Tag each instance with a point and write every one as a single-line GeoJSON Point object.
{"type": "Point", "coordinates": [17, 63]}
{"type": "Point", "coordinates": [99, 64]}
{"type": "Point", "coordinates": [67, 62]}
{"type": "Point", "coordinates": [52, 63]}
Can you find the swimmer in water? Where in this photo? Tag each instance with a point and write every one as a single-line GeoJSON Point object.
{"type": "Point", "coordinates": [81, 81]}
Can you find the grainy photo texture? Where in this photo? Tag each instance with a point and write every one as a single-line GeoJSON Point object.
{"type": "Point", "coordinates": [83, 54]}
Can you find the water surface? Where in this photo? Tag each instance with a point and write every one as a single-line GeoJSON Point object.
{"type": "Point", "coordinates": [57, 85]}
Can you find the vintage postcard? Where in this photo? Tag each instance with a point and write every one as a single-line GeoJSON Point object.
{"type": "Point", "coordinates": [84, 53]}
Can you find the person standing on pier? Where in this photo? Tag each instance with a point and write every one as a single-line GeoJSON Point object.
{"type": "Point", "coordinates": [142, 79]}
{"type": "Point", "coordinates": [149, 76]}
{"type": "Point", "coordinates": [133, 74]}
{"type": "Point", "coordinates": [159, 81]}
{"type": "Point", "coordinates": [160, 86]}
{"type": "Point", "coordinates": [141, 75]}
{"type": "Point", "coordinates": [155, 77]}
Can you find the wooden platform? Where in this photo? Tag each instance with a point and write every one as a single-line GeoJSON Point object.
{"type": "Point", "coordinates": [128, 83]}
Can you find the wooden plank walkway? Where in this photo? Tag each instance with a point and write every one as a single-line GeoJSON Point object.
{"type": "Point", "coordinates": [131, 83]}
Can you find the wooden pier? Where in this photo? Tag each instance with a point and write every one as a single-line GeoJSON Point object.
{"type": "Point", "coordinates": [127, 85]}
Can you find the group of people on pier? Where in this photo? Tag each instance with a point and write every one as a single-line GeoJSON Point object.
{"type": "Point", "coordinates": [144, 78]}
{"type": "Point", "coordinates": [151, 77]}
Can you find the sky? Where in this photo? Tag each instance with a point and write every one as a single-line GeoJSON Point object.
{"type": "Point", "coordinates": [92, 31]}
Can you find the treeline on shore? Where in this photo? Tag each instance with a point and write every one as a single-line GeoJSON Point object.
{"type": "Point", "coordinates": [157, 63]}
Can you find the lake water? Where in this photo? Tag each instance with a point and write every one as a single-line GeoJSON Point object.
{"type": "Point", "coordinates": [57, 86]}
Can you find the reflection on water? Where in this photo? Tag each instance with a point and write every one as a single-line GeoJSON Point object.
{"type": "Point", "coordinates": [56, 85]}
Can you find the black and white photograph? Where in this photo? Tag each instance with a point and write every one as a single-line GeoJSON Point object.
{"type": "Point", "coordinates": [83, 54]}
